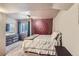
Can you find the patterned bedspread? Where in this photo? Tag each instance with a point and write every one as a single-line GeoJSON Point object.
{"type": "Point", "coordinates": [43, 44]}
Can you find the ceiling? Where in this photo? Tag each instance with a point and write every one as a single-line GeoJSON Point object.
{"type": "Point", "coordinates": [21, 10]}
{"type": "Point", "coordinates": [18, 7]}
{"type": "Point", "coordinates": [62, 6]}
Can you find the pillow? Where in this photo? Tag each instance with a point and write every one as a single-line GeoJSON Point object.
{"type": "Point", "coordinates": [54, 35]}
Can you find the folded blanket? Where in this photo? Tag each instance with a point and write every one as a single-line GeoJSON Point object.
{"type": "Point", "coordinates": [31, 37]}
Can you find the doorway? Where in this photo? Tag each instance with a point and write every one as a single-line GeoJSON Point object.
{"type": "Point", "coordinates": [23, 29]}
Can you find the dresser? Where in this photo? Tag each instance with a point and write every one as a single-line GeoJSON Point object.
{"type": "Point", "coordinates": [10, 39]}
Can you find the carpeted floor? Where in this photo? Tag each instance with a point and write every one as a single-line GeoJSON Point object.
{"type": "Point", "coordinates": [18, 51]}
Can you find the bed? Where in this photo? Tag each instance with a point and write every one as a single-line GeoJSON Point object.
{"type": "Point", "coordinates": [42, 45]}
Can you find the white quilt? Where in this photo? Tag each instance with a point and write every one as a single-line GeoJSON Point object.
{"type": "Point", "coordinates": [43, 44]}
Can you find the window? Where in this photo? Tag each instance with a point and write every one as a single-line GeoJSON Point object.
{"type": "Point", "coordinates": [9, 28]}
{"type": "Point", "coordinates": [23, 27]}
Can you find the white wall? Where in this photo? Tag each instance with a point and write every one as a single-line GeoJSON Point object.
{"type": "Point", "coordinates": [67, 22]}
{"type": "Point", "coordinates": [3, 18]}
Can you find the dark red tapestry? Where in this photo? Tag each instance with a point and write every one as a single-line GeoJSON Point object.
{"type": "Point", "coordinates": [42, 26]}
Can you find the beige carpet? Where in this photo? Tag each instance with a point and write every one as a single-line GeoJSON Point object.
{"type": "Point", "coordinates": [18, 51]}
